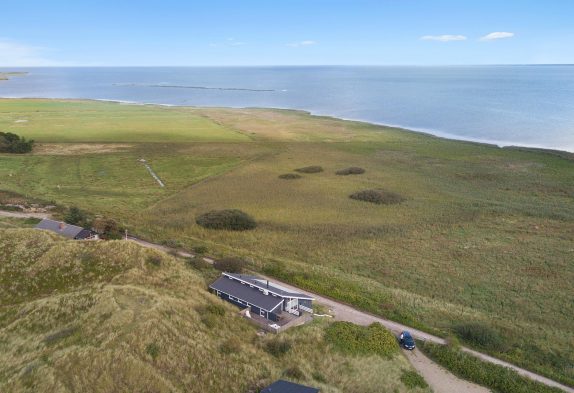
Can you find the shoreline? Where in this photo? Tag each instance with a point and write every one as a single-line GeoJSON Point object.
{"type": "Point", "coordinates": [566, 153]}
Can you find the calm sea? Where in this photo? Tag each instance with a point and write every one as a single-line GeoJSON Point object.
{"type": "Point", "coordinates": [506, 105]}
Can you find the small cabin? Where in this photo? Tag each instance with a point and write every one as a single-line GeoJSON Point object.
{"type": "Point", "coordinates": [67, 230]}
{"type": "Point", "coordinates": [262, 297]}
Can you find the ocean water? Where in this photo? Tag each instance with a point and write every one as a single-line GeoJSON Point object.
{"type": "Point", "coordinates": [505, 105]}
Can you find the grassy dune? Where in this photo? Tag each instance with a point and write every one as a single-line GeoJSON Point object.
{"type": "Point", "coordinates": [111, 317]}
{"type": "Point", "coordinates": [484, 234]}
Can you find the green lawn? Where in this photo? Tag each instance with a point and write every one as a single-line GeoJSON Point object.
{"type": "Point", "coordinates": [485, 234]}
{"type": "Point", "coordinates": [91, 121]}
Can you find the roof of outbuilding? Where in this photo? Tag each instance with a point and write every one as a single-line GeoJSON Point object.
{"type": "Point", "coordinates": [244, 292]}
{"type": "Point", "coordinates": [282, 386]}
{"type": "Point", "coordinates": [67, 230]}
{"type": "Point", "coordinates": [269, 285]}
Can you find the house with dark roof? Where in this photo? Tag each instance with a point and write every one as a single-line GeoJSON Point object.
{"type": "Point", "coordinates": [261, 297]}
{"type": "Point", "coordinates": [282, 386]}
{"type": "Point", "coordinates": [67, 230]}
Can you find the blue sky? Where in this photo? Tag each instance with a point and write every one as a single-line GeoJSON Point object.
{"type": "Point", "coordinates": [295, 32]}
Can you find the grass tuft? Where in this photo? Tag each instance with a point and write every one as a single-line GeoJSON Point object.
{"type": "Point", "coordinates": [290, 176]}
{"type": "Point", "coordinates": [310, 169]}
{"type": "Point", "coordinates": [379, 197]}
{"type": "Point", "coordinates": [230, 219]}
{"type": "Point", "coordinates": [353, 170]}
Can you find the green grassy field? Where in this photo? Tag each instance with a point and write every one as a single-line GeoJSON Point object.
{"type": "Point", "coordinates": [115, 317]}
{"type": "Point", "coordinates": [485, 234]}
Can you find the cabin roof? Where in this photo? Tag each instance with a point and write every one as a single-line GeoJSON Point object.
{"type": "Point", "coordinates": [244, 292]}
{"type": "Point", "coordinates": [68, 230]}
{"type": "Point", "coordinates": [268, 285]}
{"type": "Point", "coordinates": [283, 386]}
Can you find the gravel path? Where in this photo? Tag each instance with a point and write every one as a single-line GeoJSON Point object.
{"type": "Point", "coordinates": [23, 215]}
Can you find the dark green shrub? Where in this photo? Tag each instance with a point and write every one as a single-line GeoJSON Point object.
{"type": "Point", "coordinates": [172, 243]}
{"type": "Point", "coordinates": [319, 377]}
{"type": "Point", "coordinates": [379, 197]}
{"type": "Point", "coordinates": [154, 260]}
{"type": "Point", "coordinates": [360, 340]}
{"type": "Point", "coordinates": [230, 265]}
{"type": "Point", "coordinates": [231, 220]}
{"type": "Point", "coordinates": [12, 143]}
{"type": "Point", "coordinates": [499, 379]}
{"type": "Point", "coordinates": [152, 350]}
{"type": "Point", "coordinates": [310, 169]}
{"type": "Point", "coordinates": [412, 380]}
{"type": "Point", "coordinates": [278, 346]}
{"type": "Point", "coordinates": [354, 170]}
{"type": "Point", "coordinates": [479, 335]}
{"type": "Point", "coordinates": [75, 216]}
{"type": "Point", "coordinates": [294, 372]}
{"type": "Point", "coordinates": [290, 176]}
{"type": "Point", "coordinates": [200, 250]}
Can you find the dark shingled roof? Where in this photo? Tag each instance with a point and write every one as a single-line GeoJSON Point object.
{"type": "Point", "coordinates": [282, 386]}
{"type": "Point", "coordinates": [243, 292]}
{"type": "Point", "coordinates": [268, 285]}
{"type": "Point", "coordinates": [68, 230]}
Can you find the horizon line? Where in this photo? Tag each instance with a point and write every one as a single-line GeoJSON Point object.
{"type": "Point", "coordinates": [290, 65]}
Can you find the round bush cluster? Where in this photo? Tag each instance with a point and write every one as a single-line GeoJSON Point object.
{"type": "Point", "coordinates": [230, 219]}
{"type": "Point", "coordinates": [360, 340]}
{"type": "Point", "coordinates": [354, 170]}
{"type": "Point", "coordinates": [310, 169]}
{"type": "Point", "coordinates": [379, 197]}
{"type": "Point", "coordinates": [290, 176]}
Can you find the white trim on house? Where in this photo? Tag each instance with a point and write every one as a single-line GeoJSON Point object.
{"type": "Point", "coordinates": [269, 290]}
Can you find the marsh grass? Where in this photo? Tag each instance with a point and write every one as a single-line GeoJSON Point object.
{"type": "Point", "coordinates": [353, 170]}
{"type": "Point", "coordinates": [290, 176]}
{"type": "Point", "coordinates": [310, 169]}
{"type": "Point", "coordinates": [486, 234]}
{"type": "Point", "coordinates": [379, 197]}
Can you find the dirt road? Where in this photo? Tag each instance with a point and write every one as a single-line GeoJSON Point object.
{"type": "Point", "coordinates": [23, 215]}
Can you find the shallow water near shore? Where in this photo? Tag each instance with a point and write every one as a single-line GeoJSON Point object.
{"type": "Point", "coordinates": [506, 105]}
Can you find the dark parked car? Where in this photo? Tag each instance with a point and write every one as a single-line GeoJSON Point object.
{"type": "Point", "coordinates": [407, 341]}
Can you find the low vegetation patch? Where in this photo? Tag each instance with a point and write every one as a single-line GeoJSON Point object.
{"type": "Point", "coordinates": [278, 346]}
{"type": "Point", "coordinates": [310, 169]}
{"type": "Point", "coordinates": [354, 170]}
{"type": "Point", "coordinates": [412, 380]}
{"type": "Point", "coordinates": [230, 219]}
{"type": "Point", "coordinates": [360, 340]}
{"type": "Point", "coordinates": [230, 265]}
{"type": "Point", "coordinates": [380, 197]}
{"type": "Point", "coordinates": [479, 335]}
{"type": "Point", "coordinates": [290, 176]}
{"type": "Point", "coordinates": [498, 378]}
{"type": "Point", "coordinates": [12, 143]}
